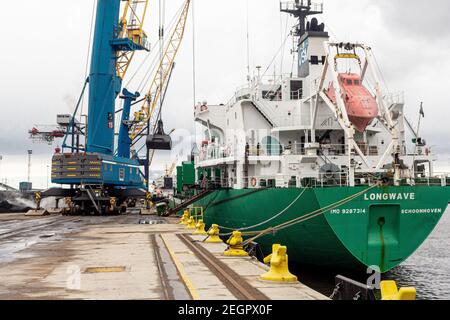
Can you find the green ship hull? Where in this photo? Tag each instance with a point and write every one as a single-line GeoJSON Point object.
{"type": "Point", "coordinates": [380, 228]}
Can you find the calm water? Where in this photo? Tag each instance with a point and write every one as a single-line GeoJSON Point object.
{"type": "Point", "coordinates": [428, 269]}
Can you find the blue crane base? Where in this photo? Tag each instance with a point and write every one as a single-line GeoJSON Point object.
{"type": "Point", "coordinates": [93, 168]}
{"type": "Point", "coordinates": [100, 184]}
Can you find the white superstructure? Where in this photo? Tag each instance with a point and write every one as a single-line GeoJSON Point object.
{"type": "Point", "coordinates": [284, 131]}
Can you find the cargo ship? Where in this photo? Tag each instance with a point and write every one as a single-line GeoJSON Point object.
{"type": "Point", "coordinates": [322, 160]}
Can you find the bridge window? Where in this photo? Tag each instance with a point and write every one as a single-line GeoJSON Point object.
{"type": "Point", "coordinates": [296, 89]}
{"type": "Point", "coordinates": [272, 95]}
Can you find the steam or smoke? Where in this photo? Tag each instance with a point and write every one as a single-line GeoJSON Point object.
{"type": "Point", "coordinates": [14, 202]}
{"type": "Point", "coordinates": [70, 101]}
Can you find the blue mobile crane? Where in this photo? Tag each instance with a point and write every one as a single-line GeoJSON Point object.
{"type": "Point", "coordinates": [104, 176]}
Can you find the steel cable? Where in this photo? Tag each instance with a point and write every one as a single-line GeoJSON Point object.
{"type": "Point", "coordinates": [270, 219]}
{"type": "Point", "coordinates": [309, 216]}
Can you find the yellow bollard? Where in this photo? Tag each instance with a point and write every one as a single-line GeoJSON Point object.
{"type": "Point", "coordinates": [389, 291]}
{"type": "Point", "coordinates": [191, 223]}
{"type": "Point", "coordinates": [185, 217]}
{"type": "Point", "coordinates": [213, 234]}
{"type": "Point", "coordinates": [200, 226]}
{"type": "Point", "coordinates": [279, 269]}
{"type": "Point", "coordinates": [236, 249]}
{"type": "Point", "coordinates": [113, 204]}
{"type": "Point", "coordinates": [148, 200]}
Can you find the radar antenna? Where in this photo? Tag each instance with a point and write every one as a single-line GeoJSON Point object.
{"type": "Point", "coordinates": [301, 9]}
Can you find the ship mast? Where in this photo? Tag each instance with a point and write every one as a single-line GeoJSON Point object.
{"type": "Point", "coordinates": [301, 9]}
{"type": "Point", "coordinates": [304, 30]}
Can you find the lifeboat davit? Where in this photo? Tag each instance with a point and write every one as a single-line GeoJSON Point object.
{"type": "Point", "coordinates": [360, 104]}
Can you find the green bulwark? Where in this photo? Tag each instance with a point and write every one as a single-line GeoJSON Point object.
{"type": "Point", "coordinates": [179, 179]}
{"type": "Point", "coordinates": [188, 174]}
{"type": "Point", "coordinates": [380, 228]}
{"type": "Point", "coordinates": [185, 176]}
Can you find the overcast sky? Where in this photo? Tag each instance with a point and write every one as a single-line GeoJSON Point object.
{"type": "Point", "coordinates": [44, 60]}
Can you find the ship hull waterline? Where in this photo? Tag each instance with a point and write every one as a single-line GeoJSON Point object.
{"type": "Point", "coordinates": [380, 228]}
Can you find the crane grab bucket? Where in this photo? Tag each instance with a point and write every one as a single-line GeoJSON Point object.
{"type": "Point", "coordinates": [159, 140]}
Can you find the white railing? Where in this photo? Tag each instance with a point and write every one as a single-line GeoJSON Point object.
{"type": "Point", "coordinates": [238, 95]}
{"type": "Point", "coordinates": [214, 152]}
{"type": "Point", "coordinates": [321, 180]}
{"type": "Point", "coordinates": [269, 181]}
{"type": "Point", "coordinates": [332, 179]}
{"type": "Point", "coordinates": [395, 98]}
{"type": "Point", "coordinates": [276, 149]}
{"type": "Point", "coordinates": [291, 5]}
{"type": "Point", "coordinates": [296, 95]}
{"type": "Point", "coordinates": [341, 149]}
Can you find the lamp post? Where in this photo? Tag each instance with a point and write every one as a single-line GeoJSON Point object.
{"type": "Point", "coordinates": [30, 152]}
{"type": "Point", "coordinates": [1, 160]}
{"type": "Point", "coordinates": [48, 168]}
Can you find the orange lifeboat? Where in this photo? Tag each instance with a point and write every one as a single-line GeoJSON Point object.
{"type": "Point", "coordinates": [360, 104]}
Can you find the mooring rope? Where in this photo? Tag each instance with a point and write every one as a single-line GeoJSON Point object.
{"type": "Point", "coordinates": [298, 220]}
{"type": "Point", "coordinates": [309, 216]}
{"type": "Point", "coordinates": [267, 220]}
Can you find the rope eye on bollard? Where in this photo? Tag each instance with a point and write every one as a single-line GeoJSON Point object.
{"type": "Point", "coordinates": [279, 269]}
{"type": "Point", "coordinates": [390, 291]}
{"type": "Point", "coordinates": [200, 226]}
{"type": "Point", "coordinates": [213, 235]}
{"type": "Point", "coordinates": [236, 247]}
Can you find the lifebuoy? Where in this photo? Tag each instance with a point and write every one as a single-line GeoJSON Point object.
{"type": "Point", "coordinates": [254, 181]}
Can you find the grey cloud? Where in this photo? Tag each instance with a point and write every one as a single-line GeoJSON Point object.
{"type": "Point", "coordinates": [35, 87]}
{"type": "Point", "coordinates": [416, 19]}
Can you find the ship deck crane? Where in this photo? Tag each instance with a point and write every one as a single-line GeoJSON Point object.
{"type": "Point", "coordinates": [102, 175]}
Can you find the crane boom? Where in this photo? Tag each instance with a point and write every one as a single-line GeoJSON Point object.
{"type": "Point", "coordinates": [102, 177]}
{"type": "Point", "coordinates": [172, 168]}
{"type": "Point", "coordinates": [149, 111]}
{"type": "Point", "coordinates": [114, 41]}
{"type": "Point", "coordinates": [132, 24]}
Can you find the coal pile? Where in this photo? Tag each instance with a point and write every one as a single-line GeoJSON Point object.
{"type": "Point", "coordinates": [9, 204]}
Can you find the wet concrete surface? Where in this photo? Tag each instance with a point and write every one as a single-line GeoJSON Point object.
{"type": "Point", "coordinates": [170, 278]}
{"type": "Point", "coordinates": [19, 230]}
{"type": "Point", "coordinates": [117, 258]}
{"type": "Point", "coordinates": [18, 235]}
{"type": "Point", "coordinates": [37, 253]}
